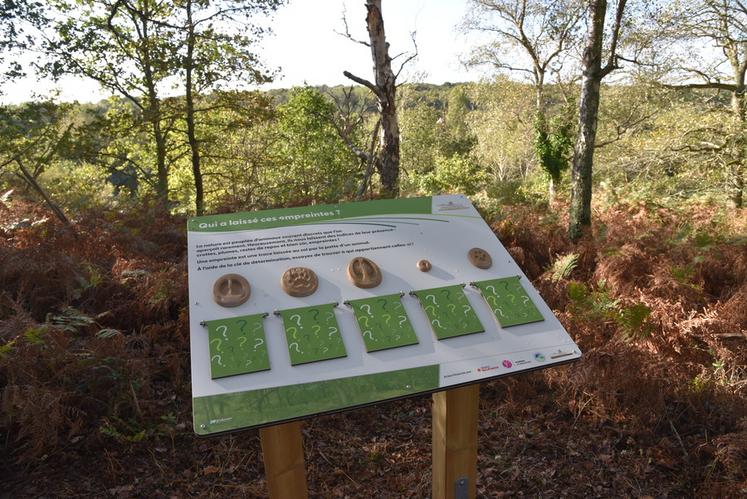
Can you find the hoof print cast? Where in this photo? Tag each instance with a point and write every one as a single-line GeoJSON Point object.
{"type": "Point", "coordinates": [231, 290]}
{"type": "Point", "coordinates": [364, 273]}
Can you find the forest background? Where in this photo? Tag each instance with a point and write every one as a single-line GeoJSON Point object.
{"type": "Point", "coordinates": [652, 285]}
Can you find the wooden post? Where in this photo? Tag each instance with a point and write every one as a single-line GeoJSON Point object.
{"type": "Point", "coordinates": [455, 414]}
{"type": "Point", "coordinates": [282, 453]}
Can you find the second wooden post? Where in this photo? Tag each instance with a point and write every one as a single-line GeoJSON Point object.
{"type": "Point", "coordinates": [282, 453]}
{"type": "Point", "coordinates": [455, 416]}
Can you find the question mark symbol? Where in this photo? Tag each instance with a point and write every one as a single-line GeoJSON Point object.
{"type": "Point", "coordinates": [525, 299]}
{"type": "Point", "coordinates": [432, 297]}
{"type": "Point", "coordinates": [383, 305]}
{"type": "Point", "coordinates": [512, 298]}
{"type": "Point", "coordinates": [219, 342]}
{"type": "Point", "coordinates": [368, 308]}
{"type": "Point", "coordinates": [387, 318]}
{"type": "Point", "coordinates": [332, 330]}
{"type": "Point", "coordinates": [222, 329]}
{"type": "Point", "coordinates": [242, 340]}
{"type": "Point", "coordinates": [363, 319]}
{"type": "Point", "coordinates": [219, 360]}
{"type": "Point", "coordinates": [315, 312]}
{"type": "Point", "coordinates": [491, 288]}
{"type": "Point", "coordinates": [316, 328]}
{"type": "Point", "coordinates": [243, 324]}
{"type": "Point", "coordinates": [330, 316]}
{"type": "Point", "coordinates": [297, 319]}
{"type": "Point", "coordinates": [294, 344]}
{"type": "Point", "coordinates": [431, 308]}
{"type": "Point", "coordinates": [293, 332]}
{"type": "Point", "coordinates": [402, 320]}
{"type": "Point", "coordinates": [257, 327]}
{"type": "Point", "coordinates": [452, 307]}
{"type": "Point", "coordinates": [437, 322]}
{"type": "Point", "coordinates": [257, 343]}
{"type": "Point", "coordinates": [448, 293]}
{"type": "Point", "coordinates": [467, 308]}
{"type": "Point", "coordinates": [500, 312]}
{"type": "Point", "coordinates": [370, 335]}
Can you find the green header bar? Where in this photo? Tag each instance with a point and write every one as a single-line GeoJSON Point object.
{"type": "Point", "coordinates": [284, 217]}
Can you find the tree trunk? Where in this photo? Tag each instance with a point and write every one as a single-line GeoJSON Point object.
{"type": "Point", "coordinates": [190, 115]}
{"type": "Point", "coordinates": [385, 81]}
{"type": "Point", "coordinates": [153, 115]}
{"type": "Point", "coordinates": [162, 184]}
{"type": "Point", "coordinates": [552, 190]}
{"type": "Point", "coordinates": [583, 154]}
{"type": "Point", "coordinates": [38, 188]}
{"type": "Point", "coordinates": [735, 173]}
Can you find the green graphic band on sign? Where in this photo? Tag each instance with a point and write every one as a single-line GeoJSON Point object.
{"type": "Point", "coordinates": [383, 322]}
{"type": "Point", "coordinates": [449, 312]}
{"type": "Point", "coordinates": [312, 334]}
{"type": "Point", "coordinates": [509, 301]}
{"type": "Point", "coordinates": [237, 346]}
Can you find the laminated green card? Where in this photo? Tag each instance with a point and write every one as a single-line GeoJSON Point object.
{"type": "Point", "coordinates": [237, 346]}
{"type": "Point", "coordinates": [312, 334]}
{"type": "Point", "coordinates": [509, 301]}
{"type": "Point", "coordinates": [449, 311]}
{"type": "Point", "coordinates": [383, 322]}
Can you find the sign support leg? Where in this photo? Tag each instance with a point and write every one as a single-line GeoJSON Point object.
{"type": "Point", "coordinates": [282, 453]}
{"type": "Point", "coordinates": [455, 414]}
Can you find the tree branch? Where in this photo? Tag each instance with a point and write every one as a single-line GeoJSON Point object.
{"type": "Point", "coordinates": [362, 81]}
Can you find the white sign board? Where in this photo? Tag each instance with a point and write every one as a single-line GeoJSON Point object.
{"type": "Point", "coordinates": [345, 346]}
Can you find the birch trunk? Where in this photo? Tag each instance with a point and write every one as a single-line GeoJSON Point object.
{"type": "Point", "coordinates": [385, 81]}
{"type": "Point", "coordinates": [735, 172]}
{"type": "Point", "coordinates": [583, 154]}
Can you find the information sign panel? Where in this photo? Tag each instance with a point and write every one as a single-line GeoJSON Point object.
{"type": "Point", "coordinates": [322, 308]}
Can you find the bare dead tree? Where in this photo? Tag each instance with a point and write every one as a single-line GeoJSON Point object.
{"type": "Point", "coordinates": [384, 87]}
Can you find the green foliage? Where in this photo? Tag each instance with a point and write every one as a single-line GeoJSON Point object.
{"type": "Point", "coordinates": [312, 164]}
{"type": "Point", "coordinates": [71, 320]}
{"type": "Point", "coordinates": [598, 304]}
{"type": "Point", "coordinates": [78, 186]}
{"type": "Point", "coordinates": [35, 335]}
{"type": "Point", "coordinates": [563, 267]}
{"type": "Point", "coordinates": [633, 321]}
{"type": "Point", "coordinates": [455, 174]}
{"type": "Point", "coordinates": [553, 143]}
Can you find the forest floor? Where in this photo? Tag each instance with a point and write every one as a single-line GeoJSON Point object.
{"type": "Point", "coordinates": [96, 399]}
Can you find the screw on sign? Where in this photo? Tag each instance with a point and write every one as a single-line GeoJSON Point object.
{"type": "Point", "coordinates": [364, 273]}
{"type": "Point", "coordinates": [231, 290]}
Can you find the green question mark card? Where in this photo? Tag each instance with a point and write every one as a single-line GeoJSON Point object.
{"type": "Point", "coordinates": [237, 346]}
{"type": "Point", "coordinates": [449, 311]}
{"type": "Point", "coordinates": [509, 301]}
{"type": "Point", "coordinates": [383, 322]}
{"type": "Point", "coordinates": [312, 334]}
